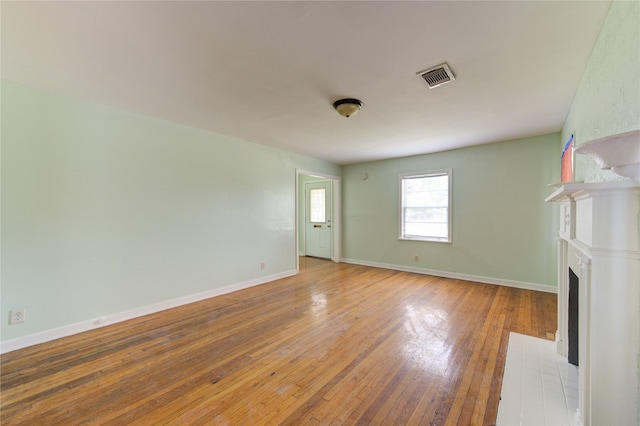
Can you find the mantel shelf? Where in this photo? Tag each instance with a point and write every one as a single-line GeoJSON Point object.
{"type": "Point", "coordinates": [620, 153]}
{"type": "Point", "coordinates": [567, 189]}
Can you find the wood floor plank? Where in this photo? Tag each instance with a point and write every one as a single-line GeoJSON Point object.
{"type": "Point", "coordinates": [335, 344]}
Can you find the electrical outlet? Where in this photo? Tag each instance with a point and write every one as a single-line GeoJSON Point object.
{"type": "Point", "coordinates": [263, 264]}
{"type": "Point", "coordinates": [17, 316]}
{"type": "Point", "coordinates": [416, 258]}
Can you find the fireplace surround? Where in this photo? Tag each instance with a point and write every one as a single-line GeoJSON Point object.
{"type": "Point", "coordinates": [599, 241]}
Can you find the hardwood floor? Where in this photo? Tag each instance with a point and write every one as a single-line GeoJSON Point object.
{"type": "Point", "coordinates": [336, 344]}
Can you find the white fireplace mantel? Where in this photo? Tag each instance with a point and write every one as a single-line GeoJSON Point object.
{"type": "Point", "coordinates": [599, 240]}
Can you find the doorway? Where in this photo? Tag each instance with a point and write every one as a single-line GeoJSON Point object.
{"type": "Point", "coordinates": [317, 219]}
{"type": "Point", "coordinates": [317, 216]}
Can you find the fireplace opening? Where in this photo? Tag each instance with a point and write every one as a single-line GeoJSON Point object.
{"type": "Point", "coordinates": [573, 318]}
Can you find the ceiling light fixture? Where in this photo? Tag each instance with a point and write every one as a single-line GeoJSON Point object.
{"type": "Point", "coordinates": [347, 107]}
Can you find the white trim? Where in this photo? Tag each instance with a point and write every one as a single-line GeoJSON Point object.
{"type": "Point", "coordinates": [68, 330]}
{"type": "Point", "coordinates": [337, 220]}
{"type": "Point", "coordinates": [455, 275]}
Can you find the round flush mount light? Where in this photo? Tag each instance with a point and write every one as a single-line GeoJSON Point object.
{"type": "Point", "coordinates": [347, 107]}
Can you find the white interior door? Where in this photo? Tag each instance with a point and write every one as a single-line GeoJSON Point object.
{"type": "Point", "coordinates": [318, 232]}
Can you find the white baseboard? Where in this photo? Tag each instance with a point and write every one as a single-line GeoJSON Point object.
{"type": "Point", "coordinates": [455, 275]}
{"type": "Point", "coordinates": [68, 330]}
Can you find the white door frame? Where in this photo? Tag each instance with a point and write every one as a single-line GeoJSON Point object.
{"type": "Point", "coordinates": [336, 226]}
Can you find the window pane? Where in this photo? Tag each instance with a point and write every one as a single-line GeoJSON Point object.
{"type": "Point", "coordinates": [317, 205]}
{"type": "Point", "coordinates": [420, 199]}
{"type": "Point", "coordinates": [426, 214]}
{"type": "Point", "coordinates": [434, 230]}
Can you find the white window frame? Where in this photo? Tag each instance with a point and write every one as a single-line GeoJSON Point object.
{"type": "Point", "coordinates": [433, 173]}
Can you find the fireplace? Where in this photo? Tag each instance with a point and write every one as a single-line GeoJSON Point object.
{"type": "Point", "coordinates": [599, 256]}
{"type": "Point", "coordinates": [573, 326]}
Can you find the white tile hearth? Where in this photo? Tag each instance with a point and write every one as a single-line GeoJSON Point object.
{"type": "Point", "coordinates": [539, 386]}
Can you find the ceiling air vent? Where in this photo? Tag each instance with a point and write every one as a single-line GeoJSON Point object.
{"type": "Point", "coordinates": [437, 76]}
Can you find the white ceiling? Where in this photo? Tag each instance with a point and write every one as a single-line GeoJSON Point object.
{"type": "Point", "coordinates": [268, 71]}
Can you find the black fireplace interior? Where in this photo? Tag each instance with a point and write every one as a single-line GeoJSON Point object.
{"type": "Point", "coordinates": [573, 318]}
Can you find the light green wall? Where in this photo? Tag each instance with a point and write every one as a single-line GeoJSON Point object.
{"type": "Point", "coordinates": [502, 228]}
{"type": "Point", "coordinates": [104, 211]}
{"type": "Point", "coordinates": [607, 101]}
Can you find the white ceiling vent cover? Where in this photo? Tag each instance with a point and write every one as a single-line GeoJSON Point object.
{"type": "Point", "coordinates": [437, 76]}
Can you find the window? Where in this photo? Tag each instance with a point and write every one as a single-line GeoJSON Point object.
{"type": "Point", "coordinates": [425, 200]}
{"type": "Point", "coordinates": [317, 205]}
